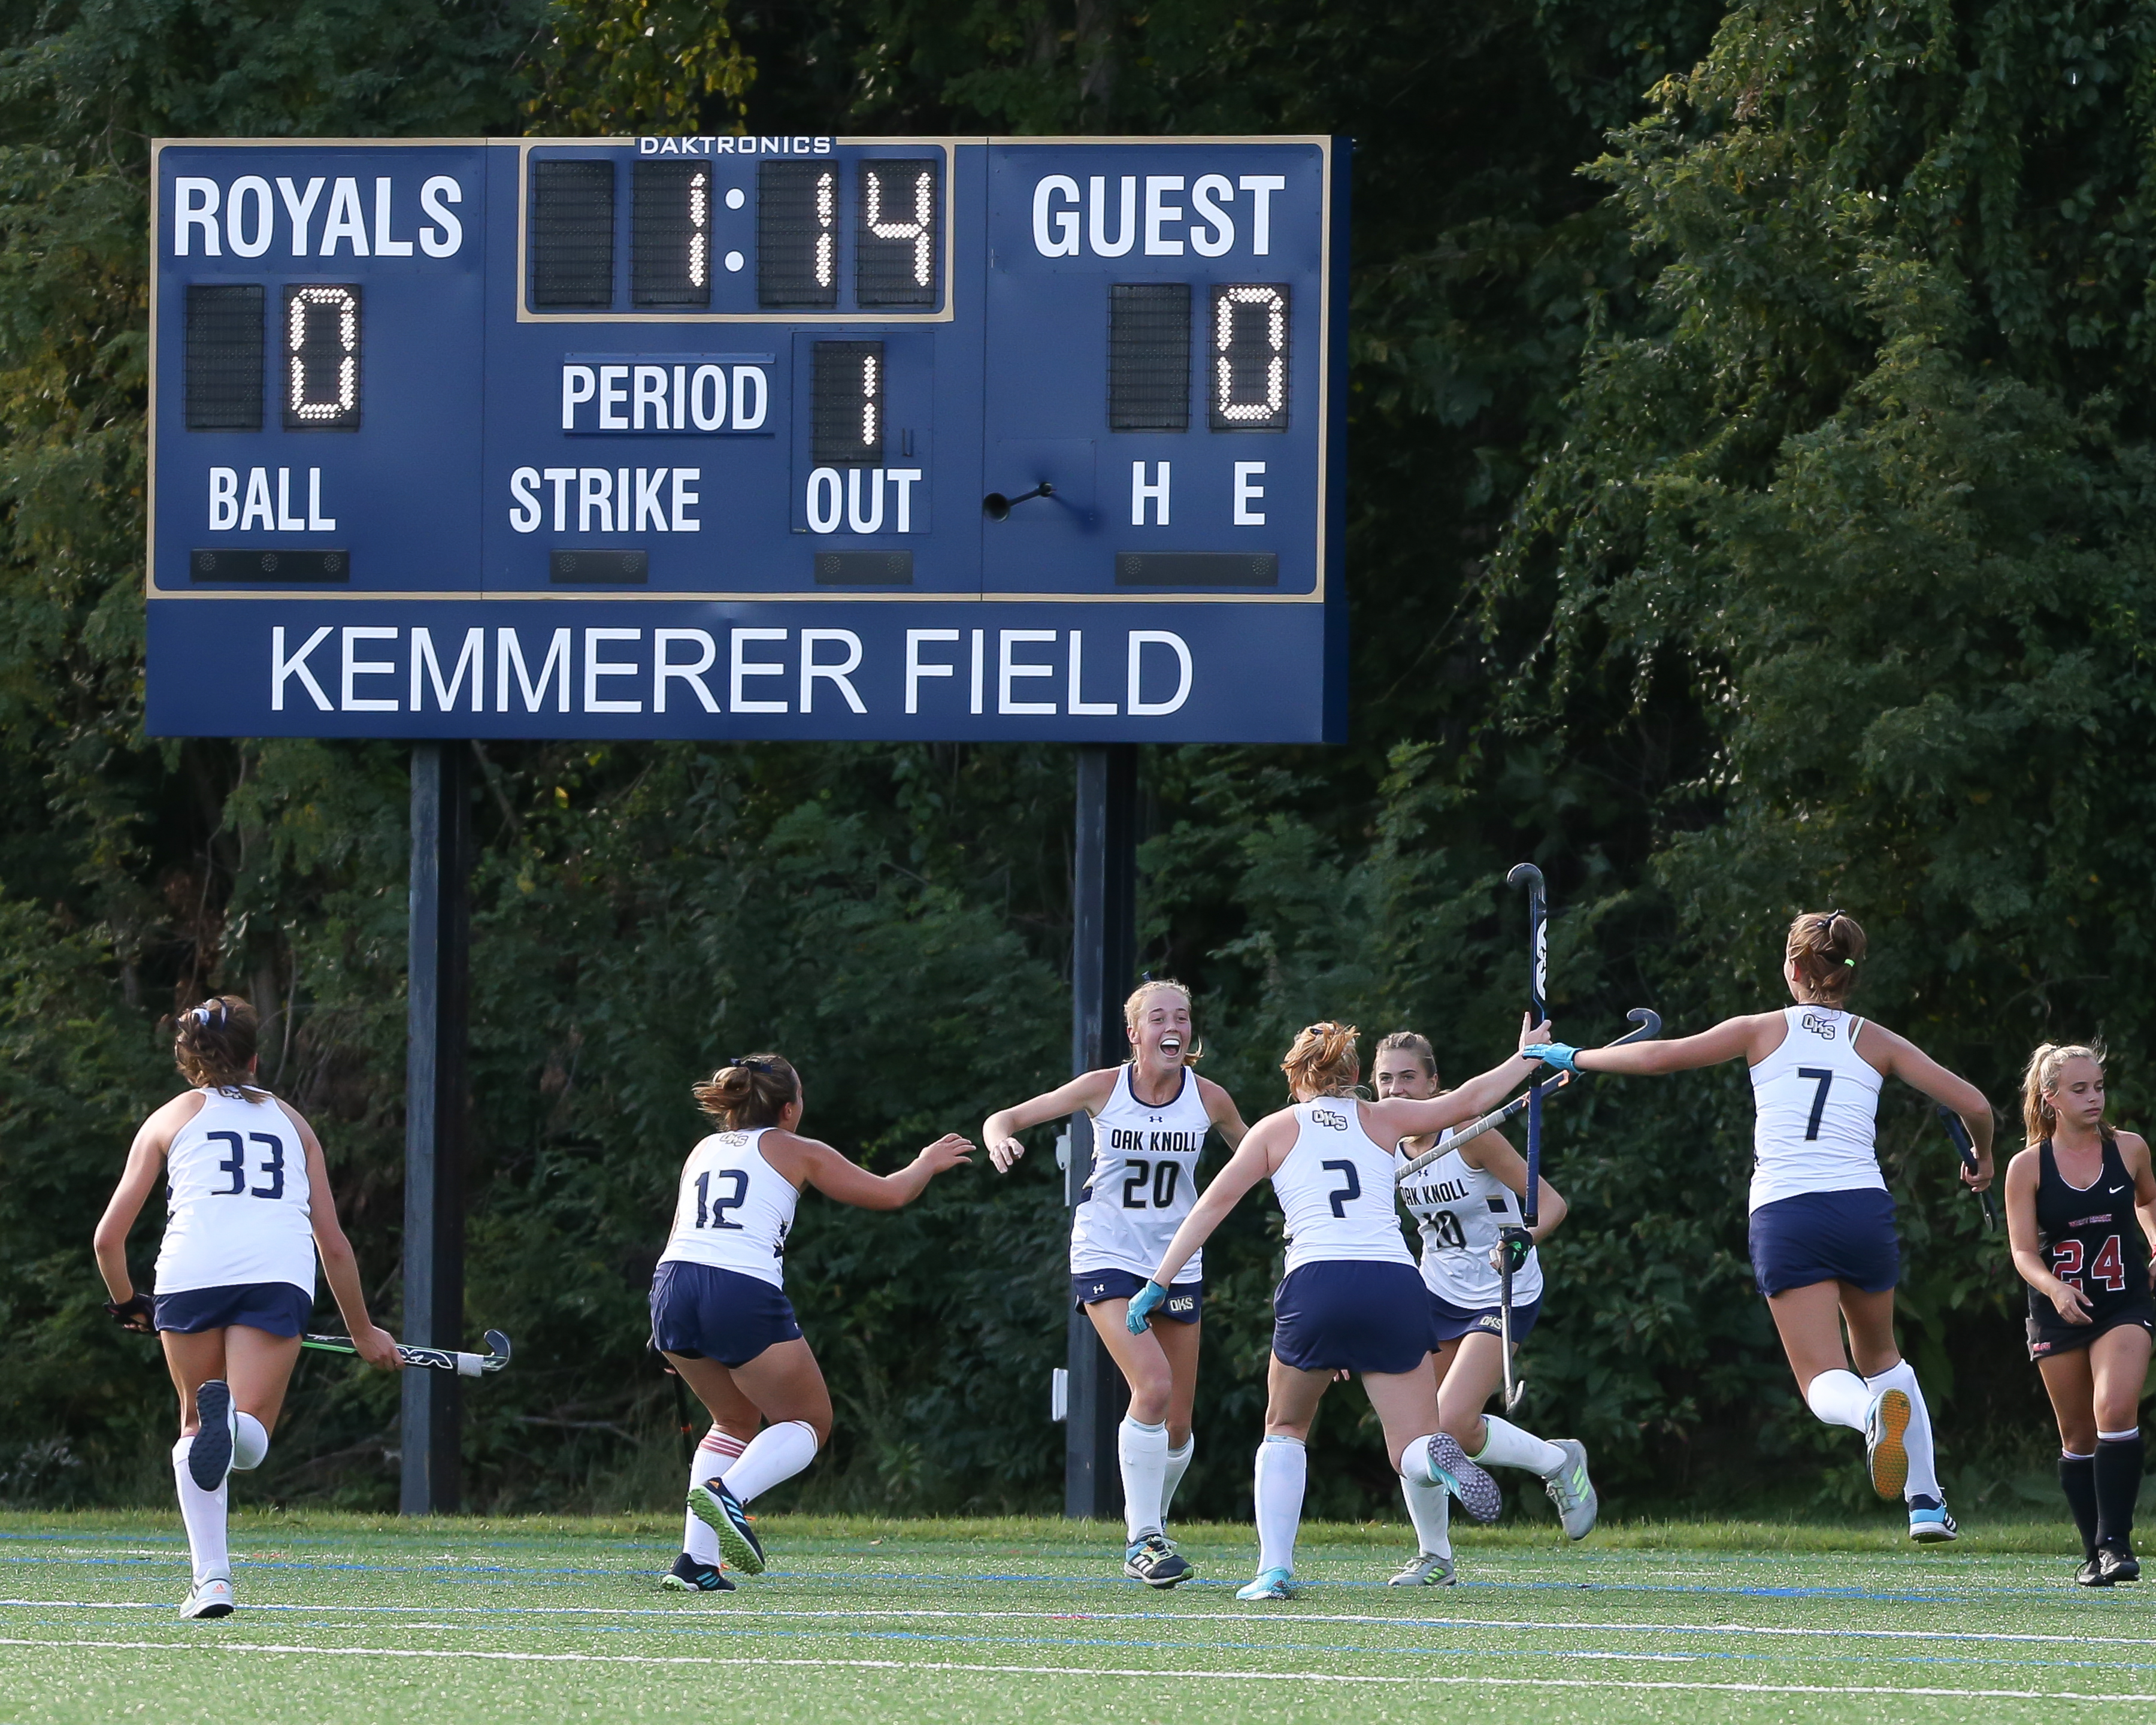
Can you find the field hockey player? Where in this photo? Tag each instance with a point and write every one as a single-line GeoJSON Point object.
{"type": "Point", "coordinates": [2079, 1202]}
{"type": "Point", "coordinates": [1466, 1206]}
{"type": "Point", "coordinates": [719, 1309]}
{"type": "Point", "coordinates": [1150, 1118]}
{"type": "Point", "coordinates": [248, 1208]}
{"type": "Point", "coordinates": [1825, 1252]}
{"type": "Point", "coordinates": [1351, 1299]}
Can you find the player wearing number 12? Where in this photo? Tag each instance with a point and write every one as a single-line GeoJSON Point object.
{"type": "Point", "coordinates": [1150, 1118]}
{"type": "Point", "coordinates": [2079, 1201]}
{"type": "Point", "coordinates": [719, 1309]}
{"type": "Point", "coordinates": [247, 1207]}
{"type": "Point", "coordinates": [1825, 1252]}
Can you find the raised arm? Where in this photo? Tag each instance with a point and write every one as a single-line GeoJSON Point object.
{"type": "Point", "coordinates": [340, 1263]}
{"type": "Point", "coordinates": [808, 1162]}
{"type": "Point", "coordinates": [1399, 1117]}
{"type": "Point", "coordinates": [1087, 1093]}
{"type": "Point", "coordinates": [1263, 1149]}
{"type": "Point", "coordinates": [1900, 1058]}
{"type": "Point", "coordinates": [2021, 1175]}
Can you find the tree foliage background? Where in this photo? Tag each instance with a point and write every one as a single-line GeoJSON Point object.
{"type": "Point", "coordinates": [1751, 505]}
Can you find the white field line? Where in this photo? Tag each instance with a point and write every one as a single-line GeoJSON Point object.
{"type": "Point", "coordinates": [1067, 1671]}
{"type": "Point", "coordinates": [1155, 1619]}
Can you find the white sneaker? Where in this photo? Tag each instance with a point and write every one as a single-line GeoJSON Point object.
{"type": "Point", "coordinates": [1425, 1568]}
{"type": "Point", "coordinates": [1572, 1491]}
{"type": "Point", "coordinates": [212, 1597]}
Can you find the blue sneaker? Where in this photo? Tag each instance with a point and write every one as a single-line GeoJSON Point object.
{"type": "Point", "coordinates": [209, 1457]}
{"type": "Point", "coordinates": [688, 1576]}
{"type": "Point", "coordinates": [1270, 1584]}
{"type": "Point", "coordinates": [720, 1511]}
{"type": "Point", "coordinates": [1930, 1523]}
{"type": "Point", "coordinates": [1450, 1467]}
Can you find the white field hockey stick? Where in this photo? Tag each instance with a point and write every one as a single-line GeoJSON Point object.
{"type": "Point", "coordinates": [431, 1359]}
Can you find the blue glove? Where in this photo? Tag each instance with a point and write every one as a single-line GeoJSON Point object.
{"type": "Point", "coordinates": [1142, 1306]}
{"type": "Point", "coordinates": [1558, 1054]}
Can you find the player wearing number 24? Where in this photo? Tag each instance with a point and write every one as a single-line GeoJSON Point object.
{"type": "Point", "coordinates": [1825, 1252]}
{"type": "Point", "coordinates": [2079, 1202]}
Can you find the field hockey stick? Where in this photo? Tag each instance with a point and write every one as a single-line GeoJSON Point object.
{"type": "Point", "coordinates": [1650, 1023]}
{"type": "Point", "coordinates": [1528, 876]}
{"type": "Point", "coordinates": [1966, 1146]}
{"type": "Point", "coordinates": [430, 1359]}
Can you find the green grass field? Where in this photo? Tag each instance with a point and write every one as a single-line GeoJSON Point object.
{"type": "Point", "coordinates": [348, 1618]}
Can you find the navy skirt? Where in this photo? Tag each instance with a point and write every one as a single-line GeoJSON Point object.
{"type": "Point", "coordinates": [1826, 1236]}
{"type": "Point", "coordinates": [1342, 1316]}
{"type": "Point", "coordinates": [1452, 1322]}
{"type": "Point", "coordinates": [703, 1313]}
{"type": "Point", "coordinates": [276, 1308]}
{"type": "Point", "coordinates": [1185, 1303]}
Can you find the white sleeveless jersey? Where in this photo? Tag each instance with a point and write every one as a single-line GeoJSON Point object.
{"type": "Point", "coordinates": [236, 1199]}
{"type": "Point", "coordinates": [1460, 1209]}
{"type": "Point", "coordinates": [734, 1210]}
{"type": "Point", "coordinates": [1818, 1102]}
{"type": "Point", "coordinates": [1144, 1181]}
{"type": "Point", "coordinates": [1336, 1189]}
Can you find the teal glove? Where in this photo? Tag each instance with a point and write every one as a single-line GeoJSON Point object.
{"type": "Point", "coordinates": [1558, 1054]}
{"type": "Point", "coordinates": [1141, 1306]}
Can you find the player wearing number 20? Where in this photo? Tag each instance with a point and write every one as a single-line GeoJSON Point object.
{"type": "Point", "coordinates": [719, 1309]}
{"type": "Point", "coordinates": [1824, 1251]}
{"type": "Point", "coordinates": [2079, 1200]}
{"type": "Point", "coordinates": [248, 1206]}
{"type": "Point", "coordinates": [1150, 1119]}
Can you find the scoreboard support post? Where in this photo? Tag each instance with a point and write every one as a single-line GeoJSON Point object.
{"type": "Point", "coordinates": [436, 1008]}
{"type": "Point", "coordinates": [1103, 955]}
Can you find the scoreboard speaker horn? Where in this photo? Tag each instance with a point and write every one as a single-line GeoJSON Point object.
{"type": "Point", "coordinates": [997, 507]}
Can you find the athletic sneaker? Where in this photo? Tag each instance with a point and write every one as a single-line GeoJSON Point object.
{"type": "Point", "coordinates": [1155, 1562]}
{"type": "Point", "coordinates": [1930, 1523]}
{"type": "Point", "coordinates": [1572, 1491]}
{"type": "Point", "coordinates": [1885, 1422]}
{"type": "Point", "coordinates": [1450, 1467]}
{"type": "Point", "coordinates": [688, 1576]}
{"type": "Point", "coordinates": [2117, 1566]}
{"type": "Point", "coordinates": [1270, 1584]}
{"type": "Point", "coordinates": [1425, 1568]}
{"type": "Point", "coordinates": [2091, 1574]}
{"type": "Point", "coordinates": [720, 1511]}
{"type": "Point", "coordinates": [209, 1457]}
{"type": "Point", "coordinates": [213, 1598]}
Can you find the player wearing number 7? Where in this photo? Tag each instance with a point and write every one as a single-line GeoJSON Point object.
{"type": "Point", "coordinates": [1824, 1251]}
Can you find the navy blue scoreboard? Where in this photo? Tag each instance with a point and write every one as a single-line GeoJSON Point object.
{"type": "Point", "coordinates": [749, 437]}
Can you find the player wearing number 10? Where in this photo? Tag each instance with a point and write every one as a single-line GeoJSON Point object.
{"type": "Point", "coordinates": [247, 1207]}
{"type": "Point", "coordinates": [1150, 1119]}
{"type": "Point", "coordinates": [719, 1309]}
{"type": "Point", "coordinates": [1825, 1252]}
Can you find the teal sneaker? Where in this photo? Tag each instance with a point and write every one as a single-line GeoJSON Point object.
{"type": "Point", "coordinates": [1930, 1523]}
{"type": "Point", "coordinates": [1270, 1584]}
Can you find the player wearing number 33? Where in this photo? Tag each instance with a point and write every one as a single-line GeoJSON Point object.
{"type": "Point", "coordinates": [1150, 1118]}
{"type": "Point", "coordinates": [719, 1309]}
{"type": "Point", "coordinates": [247, 1207]}
{"type": "Point", "coordinates": [1351, 1301]}
{"type": "Point", "coordinates": [2079, 1201]}
{"type": "Point", "coordinates": [1824, 1251]}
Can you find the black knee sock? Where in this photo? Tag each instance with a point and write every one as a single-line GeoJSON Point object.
{"type": "Point", "coordinates": [2118, 1484]}
{"type": "Point", "coordinates": [2077, 1480]}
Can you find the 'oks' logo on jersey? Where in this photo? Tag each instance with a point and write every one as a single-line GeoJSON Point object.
{"type": "Point", "coordinates": [1326, 1117]}
{"type": "Point", "coordinates": [1824, 1028]}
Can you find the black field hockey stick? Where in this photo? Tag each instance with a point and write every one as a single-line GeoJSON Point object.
{"type": "Point", "coordinates": [1962, 1143]}
{"type": "Point", "coordinates": [429, 1359]}
{"type": "Point", "coordinates": [1650, 1023]}
{"type": "Point", "coordinates": [1528, 876]}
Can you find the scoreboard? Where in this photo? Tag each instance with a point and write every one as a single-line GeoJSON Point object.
{"type": "Point", "coordinates": [748, 437]}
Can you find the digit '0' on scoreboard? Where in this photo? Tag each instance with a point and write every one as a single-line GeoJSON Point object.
{"type": "Point", "coordinates": [756, 436]}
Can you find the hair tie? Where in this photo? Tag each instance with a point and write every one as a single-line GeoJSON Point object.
{"type": "Point", "coordinates": [751, 1064]}
{"type": "Point", "coordinates": [1850, 962]}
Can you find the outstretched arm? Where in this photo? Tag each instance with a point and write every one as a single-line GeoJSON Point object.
{"type": "Point", "coordinates": [1402, 1117]}
{"type": "Point", "coordinates": [1727, 1041]}
{"type": "Point", "coordinates": [818, 1165]}
{"type": "Point", "coordinates": [1256, 1156]}
{"type": "Point", "coordinates": [1087, 1093]}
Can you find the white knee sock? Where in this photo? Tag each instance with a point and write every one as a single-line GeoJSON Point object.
{"type": "Point", "coordinates": [713, 1457]}
{"type": "Point", "coordinates": [1179, 1464]}
{"type": "Point", "coordinates": [775, 1454]}
{"type": "Point", "coordinates": [1430, 1507]}
{"type": "Point", "coordinates": [1838, 1398]}
{"type": "Point", "coordinates": [1283, 1470]}
{"type": "Point", "coordinates": [203, 1514]}
{"type": "Point", "coordinates": [251, 1444]}
{"type": "Point", "coordinates": [1923, 1464]}
{"type": "Point", "coordinates": [1508, 1446]}
{"type": "Point", "coordinates": [1143, 1452]}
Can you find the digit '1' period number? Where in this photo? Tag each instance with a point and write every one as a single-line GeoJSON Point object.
{"type": "Point", "coordinates": [1164, 1176]}
{"type": "Point", "coordinates": [712, 1213]}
